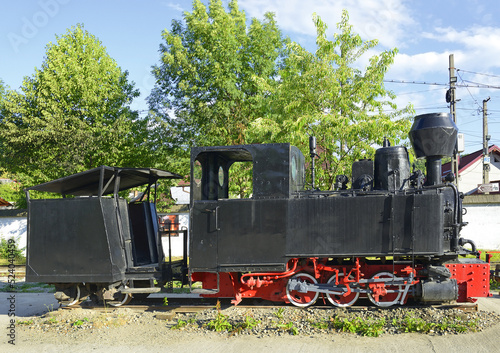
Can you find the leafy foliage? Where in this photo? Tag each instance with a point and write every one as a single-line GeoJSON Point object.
{"type": "Point", "coordinates": [207, 92]}
{"type": "Point", "coordinates": [10, 191]}
{"type": "Point", "coordinates": [72, 114]}
{"type": "Point", "coordinates": [2, 94]}
{"type": "Point", "coordinates": [9, 249]}
{"type": "Point", "coordinates": [325, 94]}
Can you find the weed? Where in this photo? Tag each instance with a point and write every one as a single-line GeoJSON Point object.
{"type": "Point", "coordinates": [289, 327]}
{"type": "Point", "coordinates": [78, 323]}
{"type": "Point", "coordinates": [165, 301]}
{"type": "Point", "coordinates": [322, 325]}
{"type": "Point", "coordinates": [25, 322]}
{"type": "Point", "coordinates": [411, 324]}
{"type": "Point", "coordinates": [220, 323]}
{"type": "Point", "coordinates": [49, 308]}
{"type": "Point", "coordinates": [370, 328]}
{"type": "Point", "coordinates": [249, 324]}
{"type": "Point", "coordinates": [180, 324]}
{"type": "Point", "coordinates": [51, 321]}
{"type": "Point", "coordinates": [279, 313]}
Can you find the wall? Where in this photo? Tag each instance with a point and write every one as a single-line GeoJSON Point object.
{"type": "Point", "coordinates": [13, 224]}
{"type": "Point", "coordinates": [176, 241]}
{"type": "Point", "coordinates": [483, 215]}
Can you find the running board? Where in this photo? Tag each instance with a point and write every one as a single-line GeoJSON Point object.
{"type": "Point", "coordinates": [205, 291]}
{"type": "Point", "coordinates": [140, 290]}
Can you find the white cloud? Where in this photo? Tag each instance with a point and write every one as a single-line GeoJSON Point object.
{"type": "Point", "coordinates": [419, 66]}
{"type": "Point", "coordinates": [385, 20]}
{"type": "Point", "coordinates": [480, 45]}
{"type": "Point", "coordinates": [174, 6]}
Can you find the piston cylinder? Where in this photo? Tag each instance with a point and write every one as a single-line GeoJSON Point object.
{"type": "Point", "coordinates": [438, 291]}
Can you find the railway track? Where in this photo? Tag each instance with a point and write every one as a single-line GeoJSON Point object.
{"type": "Point", "coordinates": [188, 306]}
{"type": "Point", "coordinates": [17, 269]}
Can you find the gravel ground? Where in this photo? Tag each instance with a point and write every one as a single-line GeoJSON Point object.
{"type": "Point", "coordinates": [80, 324]}
{"type": "Point", "coordinates": [242, 329]}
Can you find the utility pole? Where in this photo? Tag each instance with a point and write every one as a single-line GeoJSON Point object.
{"type": "Point", "coordinates": [486, 138]}
{"type": "Point", "coordinates": [450, 98]}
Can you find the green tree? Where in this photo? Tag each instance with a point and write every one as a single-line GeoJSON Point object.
{"type": "Point", "coordinates": [72, 114]}
{"type": "Point", "coordinates": [206, 91]}
{"type": "Point", "coordinates": [2, 95]}
{"type": "Point", "coordinates": [326, 95]}
{"type": "Point", "coordinates": [2, 91]}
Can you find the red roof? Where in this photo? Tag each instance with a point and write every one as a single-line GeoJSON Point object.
{"type": "Point", "coordinates": [468, 160]}
{"type": "Point", "coordinates": [4, 203]}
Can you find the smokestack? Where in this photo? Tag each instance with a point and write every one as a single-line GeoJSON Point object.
{"type": "Point", "coordinates": [433, 137]}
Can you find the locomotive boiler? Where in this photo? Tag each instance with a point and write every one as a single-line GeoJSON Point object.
{"type": "Point", "coordinates": [393, 235]}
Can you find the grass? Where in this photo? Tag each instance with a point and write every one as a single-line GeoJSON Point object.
{"type": "Point", "coordinates": [411, 323]}
{"type": "Point", "coordinates": [360, 326]}
{"type": "Point", "coordinates": [28, 287]}
{"type": "Point", "coordinates": [495, 256]}
{"type": "Point", "coordinates": [17, 262]}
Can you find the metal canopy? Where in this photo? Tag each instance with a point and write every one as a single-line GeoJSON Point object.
{"type": "Point", "coordinates": [92, 181]}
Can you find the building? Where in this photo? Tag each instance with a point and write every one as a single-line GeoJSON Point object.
{"type": "Point", "coordinates": [481, 210]}
{"type": "Point", "coordinates": [470, 173]}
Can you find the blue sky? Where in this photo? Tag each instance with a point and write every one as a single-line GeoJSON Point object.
{"type": "Point", "coordinates": [425, 32]}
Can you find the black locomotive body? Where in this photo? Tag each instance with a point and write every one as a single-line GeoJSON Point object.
{"type": "Point", "coordinates": [392, 236]}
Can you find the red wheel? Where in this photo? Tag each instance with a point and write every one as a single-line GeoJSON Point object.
{"type": "Point", "coordinates": [384, 294]}
{"type": "Point", "coordinates": [298, 298]}
{"type": "Point", "coordinates": [341, 300]}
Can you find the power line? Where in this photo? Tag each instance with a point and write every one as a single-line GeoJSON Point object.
{"type": "Point", "coordinates": [475, 85]}
{"type": "Point", "coordinates": [416, 82]}
{"type": "Point", "coordinates": [474, 99]}
{"type": "Point", "coordinates": [478, 73]}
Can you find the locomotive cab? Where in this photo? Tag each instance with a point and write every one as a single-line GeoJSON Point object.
{"type": "Point", "coordinates": [242, 233]}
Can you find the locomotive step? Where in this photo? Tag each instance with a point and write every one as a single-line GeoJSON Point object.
{"type": "Point", "coordinates": [140, 290]}
{"type": "Point", "coordinates": [204, 291]}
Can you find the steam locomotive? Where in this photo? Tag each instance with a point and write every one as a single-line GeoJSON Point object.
{"type": "Point", "coordinates": [392, 236]}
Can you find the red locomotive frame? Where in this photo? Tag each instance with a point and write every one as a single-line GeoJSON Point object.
{"type": "Point", "coordinates": [384, 284]}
